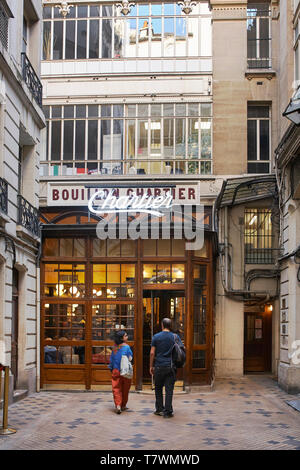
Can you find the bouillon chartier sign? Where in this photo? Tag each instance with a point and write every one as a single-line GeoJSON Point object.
{"type": "Point", "coordinates": [100, 200]}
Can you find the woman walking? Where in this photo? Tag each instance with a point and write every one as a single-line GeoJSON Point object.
{"type": "Point", "coordinates": [120, 385]}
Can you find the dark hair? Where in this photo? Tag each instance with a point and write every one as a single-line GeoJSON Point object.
{"type": "Point", "coordinates": [119, 335]}
{"type": "Point", "coordinates": [167, 323]}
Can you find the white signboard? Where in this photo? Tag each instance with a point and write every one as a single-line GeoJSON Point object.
{"type": "Point", "coordinates": [78, 195]}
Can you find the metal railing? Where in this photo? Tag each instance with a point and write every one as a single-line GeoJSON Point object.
{"type": "Point", "coordinates": [3, 195]}
{"type": "Point", "coordinates": [31, 79]}
{"type": "Point", "coordinates": [28, 216]}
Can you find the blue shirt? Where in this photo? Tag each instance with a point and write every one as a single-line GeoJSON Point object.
{"type": "Point", "coordinates": [164, 342]}
{"type": "Point", "coordinates": [115, 358]}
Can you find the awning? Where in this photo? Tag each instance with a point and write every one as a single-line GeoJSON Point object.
{"type": "Point", "coordinates": [241, 190]}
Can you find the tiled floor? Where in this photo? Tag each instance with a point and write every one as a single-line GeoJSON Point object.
{"type": "Point", "coordinates": [246, 413]}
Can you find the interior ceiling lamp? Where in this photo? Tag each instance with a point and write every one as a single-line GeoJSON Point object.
{"type": "Point", "coordinates": [292, 112]}
{"type": "Point", "coordinates": [125, 7]}
{"type": "Point", "coordinates": [187, 6]}
{"type": "Point", "coordinates": [268, 308]}
{"type": "Point", "coordinates": [64, 8]}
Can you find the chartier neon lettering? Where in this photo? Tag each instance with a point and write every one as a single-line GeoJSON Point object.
{"type": "Point", "coordinates": [133, 203]}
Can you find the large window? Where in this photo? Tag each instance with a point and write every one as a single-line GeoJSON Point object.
{"type": "Point", "coordinates": [259, 35]}
{"type": "Point", "coordinates": [129, 139]}
{"type": "Point", "coordinates": [3, 27]}
{"type": "Point", "coordinates": [258, 139]}
{"type": "Point", "coordinates": [92, 31]}
{"type": "Point", "coordinates": [259, 239]}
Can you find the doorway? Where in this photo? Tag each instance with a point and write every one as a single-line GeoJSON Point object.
{"type": "Point", "coordinates": [159, 304]}
{"type": "Point", "coordinates": [257, 342]}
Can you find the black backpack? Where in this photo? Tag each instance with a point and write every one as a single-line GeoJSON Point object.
{"type": "Point", "coordinates": [178, 354]}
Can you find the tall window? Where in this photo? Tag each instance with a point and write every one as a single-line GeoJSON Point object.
{"type": "Point", "coordinates": [160, 138]}
{"type": "Point", "coordinates": [3, 27]}
{"type": "Point", "coordinates": [92, 31]}
{"type": "Point", "coordinates": [258, 35]}
{"type": "Point", "coordinates": [258, 139]}
{"type": "Point", "coordinates": [259, 239]}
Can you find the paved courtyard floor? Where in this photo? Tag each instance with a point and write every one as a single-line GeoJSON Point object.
{"type": "Point", "coordinates": [246, 413]}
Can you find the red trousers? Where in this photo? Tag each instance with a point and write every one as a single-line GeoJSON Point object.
{"type": "Point", "coordinates": [120, 388]}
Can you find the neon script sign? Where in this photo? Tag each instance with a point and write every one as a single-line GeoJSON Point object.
{"type": "Point", "coordinates": [103, 203]}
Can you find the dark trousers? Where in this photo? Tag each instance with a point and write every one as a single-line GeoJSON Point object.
{"type": "Point", "coordinates": [164, 377]}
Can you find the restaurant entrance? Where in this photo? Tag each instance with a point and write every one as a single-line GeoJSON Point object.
{"type": "Point", "coordinates": [159, 304]}
{"type": "Point", "coordinates": [91, 287]}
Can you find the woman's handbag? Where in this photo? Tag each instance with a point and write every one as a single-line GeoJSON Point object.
{"type": "Point", "coordinates": [126, 369]}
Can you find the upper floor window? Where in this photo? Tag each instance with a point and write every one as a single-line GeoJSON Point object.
{"type": "Point", "coordinates": [258, 139]}
{"type": "Point", "coordinates": [3, 26]}
{"type": "Point", "coordinates": [100, 31]}
{"type": "Point", "coordinates": [259, 237]}
{"type": "Point", "coordinates": [258, 35]}
{"type": "Point", "coordinates": [141, 139]}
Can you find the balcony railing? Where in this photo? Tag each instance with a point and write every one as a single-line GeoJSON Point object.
{"type": "Point", "coordinates": [28, 216]}
{"type": "Point", "coordinates": [31, 79]}
{"type": "Point", "coordinates": [3, 195]}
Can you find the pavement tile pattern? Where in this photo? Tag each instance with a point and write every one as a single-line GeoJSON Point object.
{"type": "Point", "coordinates": [243, 413]}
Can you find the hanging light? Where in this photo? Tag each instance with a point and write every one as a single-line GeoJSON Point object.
{"type": "Point", "coordinates": [60, 288]}
{"type": "Point", "coordinates": [73, 290]}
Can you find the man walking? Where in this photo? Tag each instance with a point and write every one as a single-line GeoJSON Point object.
{"type": "Point", "coordinates": [162, 369]}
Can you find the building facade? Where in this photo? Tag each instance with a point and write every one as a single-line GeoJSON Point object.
{"type": "Point", "coordinates": [148, 99]}
{"type": "Point", "coordinates": [21, 123]}
{"type": "Point", "coordinates": [288, 175]}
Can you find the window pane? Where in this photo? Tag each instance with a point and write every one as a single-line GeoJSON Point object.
{"type": "Point", "coordinates": [81, 11]}
{"type": "Point", "coordinates": [142, 139]}
{"type": "Point", "coordinates": [68, 111]}
{"type": "Point", "coordinates": [80, 140]}
{"type": "Point", "coordinates": [46, 40]}
{"type": "Point", "coordinates": [80, 111]}
{"type": "Point", "coordinates": [58, 40]}
{"type": "Point", "coordinates": [252, 140]}
{"type": "Point", "coordinates": [79, 247]}
{"type": "Point", "coordinates": [93, 140]}
{"type": "Point", "coordinates": [163, 247]}
{"type": "Point", "coordinates": [81, 39]}
{"type": "Point", "coordinates": [70, 40]}
{"type": "Point", "coordinates": [180, 137]}
{"type": "Point", "coordinates": [68, 140]}
{"type": "Point", "coordinates": [205, 127]}
{"type": "Point", "coordinates": [198, 359]}
{"type": "Point", "coordinates": [131, 139]}
{"type": "Point", "coordinates": [113, 248]}
{"type": "Point", "coordinates": [106, 38]}
{"type": "Point", "coordinates": [155, 131]}
{"type": "Point", "coordinates": [55, 140]}
{"type": "Point", "coordinates": [264, 140]}
{"type": "Point", "coordinates": [149, 247]}
{"type": "Point", "coordinates": [156, 35]}
{"type": "Point", "coordinates": [94, 39]}
{"type": "Point", "coordinates": [118, 38]}
{"type": "Point", "coordinates": [66, 247]}
{"type": "Point", "coordinates": [178, 273]}
{"type": "Point", "coordinates": [92, 110]}
{"type": "Point", "coordinates": [193, 132]}
{"type": "Point", "coordinates": [113, 274]}
{"type": "Point", "coordinates": [128, 248]}
{"type": "Point", "coordinates": [99, 273]}
{"type": "Point", "coordinates": [56, 111]}
{"type": "Point", "coordinates": [106, 140]}
{"type": "Point", "coordinates": [99, 247]}
{"type": "Point", "coordinates": [168, 137]}
{"type": "Point", "coordinates": [50, 247]}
